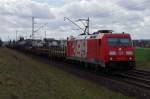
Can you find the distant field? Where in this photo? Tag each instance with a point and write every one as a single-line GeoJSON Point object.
{"type": "Point", "coordinates": [143, 58]}
{"type": "Point", "coordinates": [142, 54]}
{"type": "Point", "coordinates": [22, 77]}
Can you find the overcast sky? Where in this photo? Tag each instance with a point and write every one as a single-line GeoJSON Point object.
{"type": "Point", "coordinates": [131, 16]}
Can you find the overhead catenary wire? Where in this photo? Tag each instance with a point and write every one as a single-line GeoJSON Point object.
{"type": "Point", "coordinates": [86, 27]}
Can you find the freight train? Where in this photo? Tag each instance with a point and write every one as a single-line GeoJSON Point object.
{"type": "Point", "coordinates": [101, 49]}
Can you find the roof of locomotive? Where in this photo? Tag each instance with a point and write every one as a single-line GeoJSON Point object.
{"type": "Point", "coordinates": [118, 35]}
{"type": "Point", "coordinates": [99, 34]}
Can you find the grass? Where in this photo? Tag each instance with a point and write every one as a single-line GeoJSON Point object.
{"type": "Point", "coordinates": [22, 77]}
{"type": "Point", "coordinates": [142, 54]}
{"type": "Point", "coordinates": [143, 58]}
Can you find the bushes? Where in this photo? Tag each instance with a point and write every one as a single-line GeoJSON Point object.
{"type": "Point", "coordinates": [1, 43]}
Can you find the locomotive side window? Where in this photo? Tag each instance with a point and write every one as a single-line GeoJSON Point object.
{"type": "Point", "coordinates": [119, 41]}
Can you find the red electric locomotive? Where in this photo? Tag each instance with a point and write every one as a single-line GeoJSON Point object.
{"type": "Point", "coordinates": [102, 48]}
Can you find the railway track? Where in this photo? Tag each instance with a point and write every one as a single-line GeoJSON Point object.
{"type": "Point", "coordinates": [135, 77]}
{"type": "Point", "coordinates": [130, 83]}
{"type": "Point", "coordinates": [141, 72]}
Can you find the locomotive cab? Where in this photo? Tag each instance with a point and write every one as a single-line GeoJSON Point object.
{"type": "Point", "coordinates": [120, 51]}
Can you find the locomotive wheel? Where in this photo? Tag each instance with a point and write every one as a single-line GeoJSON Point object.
{"type": "Point", "coordinates": [96, 68]}
{"type": "Point", "coordinates": [86, 65]}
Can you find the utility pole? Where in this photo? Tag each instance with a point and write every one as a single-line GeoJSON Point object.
{"type": "Point", "coordinates": [26, 35]}
{"type": "Point", "coordinates": [45, 34]}
{"type": "Point", "coordinates": [8, 38]}
{"type": "Point", "coordinates": [16, 35]}
{"type": "Point", "coordinates": [32, 27]}
{"type": "Point", "coordinates": [88, 26]}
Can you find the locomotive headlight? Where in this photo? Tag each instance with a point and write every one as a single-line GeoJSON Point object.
{"type": "Point", "coordinates": [111, 58]}
{"type": "Point", "coordinates": [129, 52]}
{"type": "Point", "coordinates": [112, 52]}
{"type": "Point", "coordinates": [130, 58]}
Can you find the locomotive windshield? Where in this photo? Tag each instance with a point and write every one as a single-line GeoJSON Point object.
{"type": "Point", "coordinates": [119, 41]}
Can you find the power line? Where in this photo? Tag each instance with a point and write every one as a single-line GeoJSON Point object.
{"type": "Point", "coordinates": [86, 29]}
{"type": "Point", "coordinates": [33, 28]}
{"type": "Point", "coordinates": [74, 23]}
